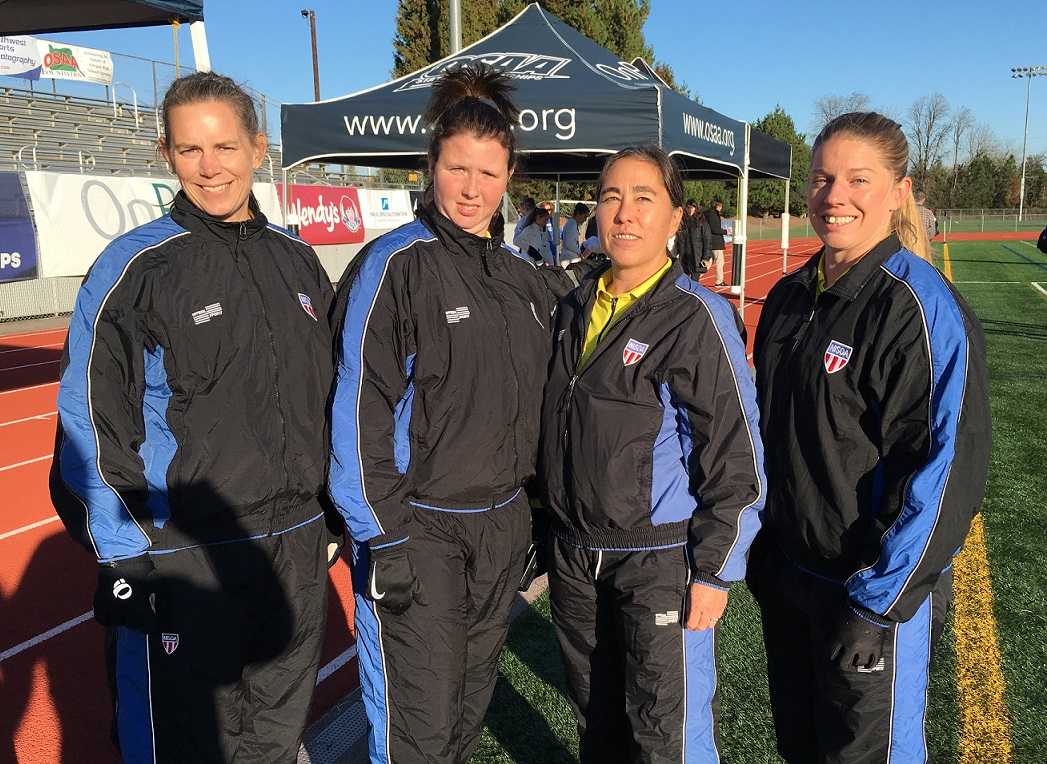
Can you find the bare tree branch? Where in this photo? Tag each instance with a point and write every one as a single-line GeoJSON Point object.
{"type": "Point", "coordinates": [829, 107]}
{"type": "Point", "coordinates": [928, 126]}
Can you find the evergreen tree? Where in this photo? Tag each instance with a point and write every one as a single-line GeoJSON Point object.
{"type": "Point", "coordinates": [769, 195]}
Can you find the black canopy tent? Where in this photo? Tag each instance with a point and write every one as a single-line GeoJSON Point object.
{"type": "Point", "coordinates": [19, 17]}
{"type": "Point", "coordinates": [579, 103]}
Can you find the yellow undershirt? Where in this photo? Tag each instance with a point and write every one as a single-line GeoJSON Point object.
{"type": "Point", "coordinates": [822, 284]}
{"type": "Point", "coordinates": [609, 308]}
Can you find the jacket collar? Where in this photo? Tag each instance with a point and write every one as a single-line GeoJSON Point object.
{"type": "Point", "coordinates": [191, 217]}
{"type": "Point", "coordinates": [850, 284]}
{"type": "Point", "coordinates": [659, 293]}
{"type": "Point", "coordinates": [456, 240]}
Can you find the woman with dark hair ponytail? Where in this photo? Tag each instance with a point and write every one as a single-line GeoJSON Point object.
{"type": "Point", "coordinates": [442, 354]}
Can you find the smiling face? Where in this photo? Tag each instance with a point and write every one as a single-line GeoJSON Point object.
{"type": "Point", "coordinates": [634, 214]}
{"type": "Point", "coordinates": [469, 178]}
{"type": "Point", "coordinates": [213, 156]}
{"type": "Point", "coordinates": [852, 194]}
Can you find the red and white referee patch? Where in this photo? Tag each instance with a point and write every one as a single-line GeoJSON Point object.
{"type": "Point", "coordinates": [633, 352]}
{"type": "Point", "coordinates": [836, 356]}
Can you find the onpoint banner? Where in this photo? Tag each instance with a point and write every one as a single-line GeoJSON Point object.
{"type": "Point", "coordinates": [17, 243]}
{"type": "Point", "coordinates": [385, 208]}
{"type": "Point", "coordinates": [78, 215]}
{"type": "Point", "coordinates": [325, 214]}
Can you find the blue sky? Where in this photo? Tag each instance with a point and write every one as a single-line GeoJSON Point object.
{"type": "Point", "coordinates": [740, 63]}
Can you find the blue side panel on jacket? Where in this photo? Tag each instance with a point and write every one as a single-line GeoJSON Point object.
{"type": "Point", "coordinates": [906, 541]}
{"type": "Point", "coordinates": [159, 446]}
{"type": "Point", "coordinates": [346, 480]}
{"type": "Point", "coordinates": [402, 415]}
{"type": "Point", "coordinates": [114, 533]}
{"type": "Point", "coordinates": [749, 521]}
{"type": "Point", "coordinates": [671, 499]}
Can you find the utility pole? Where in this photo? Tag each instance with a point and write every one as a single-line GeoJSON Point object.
{"type": "Point", "coordinates": [456, 26]}
{"type": "Point", "coordinates": [311, 15]}
{"type": "Point", "coordinates": [1028, 72]}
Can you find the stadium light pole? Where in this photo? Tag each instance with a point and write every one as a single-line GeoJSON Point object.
{"type": "Point", "coordinates": [1028, 72]}
{"type": "Point", "coordinates": [311, 15]}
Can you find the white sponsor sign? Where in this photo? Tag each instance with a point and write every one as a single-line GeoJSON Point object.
{"type": "Point", "coordinates": [385, 209]}
{"type": "Point", "coordinates": [61, 61]}
{"type": "Point", "coordinates": [78, 215]}
{"type": "Point", "coordinates": [19, 57]}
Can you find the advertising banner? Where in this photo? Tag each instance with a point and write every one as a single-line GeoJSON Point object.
{"type": "Point", "coordinates": [385, 208]}
{"type": "Point", "coordinates": [78, 215]}
{"type": "Point", "coordinates": [71, 62]}
{"type": "Point", "coordinates": [20, 57]}
{"type": "Point", "coordinates": [325, 214]}
{"type": "Point", "coordinates": [17, 242]}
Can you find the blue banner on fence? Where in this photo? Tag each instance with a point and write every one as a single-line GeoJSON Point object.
{"type": "Point", "coordinates": [17, 241]}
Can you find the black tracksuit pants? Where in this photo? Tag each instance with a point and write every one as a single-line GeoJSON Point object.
{"type": "Point", "coordinates": [823, 714]}
{"type": "Point", "coordinates": [428, 674]}
{"type": "Point", "coordinates": [230, 672]}
{"type": "Point", "coordinates": [643, 688]}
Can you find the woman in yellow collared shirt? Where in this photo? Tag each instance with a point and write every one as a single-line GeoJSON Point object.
{"type": "Point", "coordinates": [653, 472]}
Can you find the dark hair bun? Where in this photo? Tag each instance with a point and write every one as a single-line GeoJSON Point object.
{"type": "Point", "coordinates": [477, 82]}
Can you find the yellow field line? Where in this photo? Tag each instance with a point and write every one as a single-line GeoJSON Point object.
{"type": "Point", "coordinates": [984, 727]}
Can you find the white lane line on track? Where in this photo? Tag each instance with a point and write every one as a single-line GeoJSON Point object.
{"type": "Point", "coordinates": [34, 641]}
{"type": "Point", "coordinates": [32, 347]}
{"type": "Point", "coordinates": [31, 334]}
{"type": "Point", "coordinates": [335, 664]}
{"type": "Point", "coordinates": [31, 526]}
{"type": "Point", "coordinates": [1039, 288]}
{"type": "Point", "coordinates": [27, 365]}
{"type": "Point", "coordinates": [45, 416]}
{"type": "Point", "coordinates": [31, 387]}
{"type": "Point", "coordinates": [7, 467]}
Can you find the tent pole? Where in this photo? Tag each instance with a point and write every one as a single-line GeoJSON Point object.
{"type": "Point", "coordinates": [287, 192]}
{"type": "Point", "coordinates": [785, 230]}
{"type": "Point", "coordinates": [743, 224]}
{"type": "Point", "coordinates": [556, 223]}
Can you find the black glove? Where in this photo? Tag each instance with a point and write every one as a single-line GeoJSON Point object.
{"type": "Point", "coordinates": [125, 596]}
{"type": "Point", "coordinates": [391, 582]}
{"type": "Point", "coordinates": [858, 638]}
{"type": "Point", "coordinates": [536, 561]}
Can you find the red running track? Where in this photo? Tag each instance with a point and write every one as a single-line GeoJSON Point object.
{"type": "Point", "coordinates": [54, 705]}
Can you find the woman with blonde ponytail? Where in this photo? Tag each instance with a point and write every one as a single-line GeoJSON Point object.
{"type": "Point", "coordinates": [870, 371]}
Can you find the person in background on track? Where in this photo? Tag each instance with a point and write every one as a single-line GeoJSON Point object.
{"type": "Point", "coordinates": [533, 239]}
{"type": "Point", "coordinates": [716, 234]}
{"type": "Point", "coordinates": [550, 238]}
{"type": "Point", "coordinates": [525, 209]}
{"type": "Point", "coordinates": [571, 232]}
{"type": "Point", "coordinates": [444, 342]}
{"type": "Point", "coordinates": [653, 471]}
{"type": "Point", "coordinates": [871, 375]}
{"type": "Point", "coordinates": [691, 247]}
{"type": "Point", "coordinates": [191, 448]}
{"type": "Point", "coordinates": [927, 218]}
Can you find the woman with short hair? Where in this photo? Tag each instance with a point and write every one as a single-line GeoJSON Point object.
{"type": "Point", "coordinates": [653, 468]}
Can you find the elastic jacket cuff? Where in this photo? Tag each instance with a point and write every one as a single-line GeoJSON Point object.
{"type": "Point", "coordinates": [708, 579]}
{"type": "Point", "coordinates": [868, 615]}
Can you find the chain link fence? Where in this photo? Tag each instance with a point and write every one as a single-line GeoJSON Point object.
{"type": "Point", "coordinates": [982, 220]}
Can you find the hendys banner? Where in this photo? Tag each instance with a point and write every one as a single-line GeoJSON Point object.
{"type": "Point", "coordinates": [78, 215]}
{"type": "Point", "coordinates": [17, 243]}
{"type": "Point", "coordinates": [325, 214]}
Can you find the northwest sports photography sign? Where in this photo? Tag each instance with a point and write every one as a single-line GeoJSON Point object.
{"type": "Point", "coordinates": [325, 214]}
{"type": "Point", "coordinates": [17, 242]}
{"type": "Point", "coordinates": [32, 58]}
{"type": "Point", "coordinates": [78, 215]}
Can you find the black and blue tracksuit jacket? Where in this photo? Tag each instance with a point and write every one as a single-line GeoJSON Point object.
{"type": "Point", "coordinates": [443, 343]}
{"type": "Point", "coordinates": [193, 387]}
{"type": "Point", "coordinates": [874, 406]}
{"type": "Point", "coordinates": [655, 442]}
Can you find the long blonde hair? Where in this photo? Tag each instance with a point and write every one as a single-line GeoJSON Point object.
{"type": "Point", "coordinates": [888, 137]}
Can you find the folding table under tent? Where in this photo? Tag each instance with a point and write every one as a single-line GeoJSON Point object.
{"type": "Point", "coordinates": [579, 103]}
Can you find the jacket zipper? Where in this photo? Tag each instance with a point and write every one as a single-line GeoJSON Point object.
{"type": "Point", "coordinates": [488, 248]}
{"type": "Point", "coordinates": [570, 387]}
{"type": "Point", "coordinates": [276, 366]}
